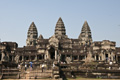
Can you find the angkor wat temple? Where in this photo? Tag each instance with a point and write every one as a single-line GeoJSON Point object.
{"type": "Point", "coordinates": [72, 57]}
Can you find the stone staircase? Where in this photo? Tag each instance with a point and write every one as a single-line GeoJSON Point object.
{"type": "Point", "coordinates": [10, 73]}
{"type": "Point", "coordinates": [36, 74]}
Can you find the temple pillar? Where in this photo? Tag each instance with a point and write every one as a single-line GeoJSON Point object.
{"type": "Point", "coordinates": [99, 58]}
{"type": "Point", "coordinates": [36, 58]}
{"type": "Point", "coordinates": [3, 55]}
{"type": "Point", "coordinates": [104, 57]}
{"type": "Point", "coordinates": [95, 57]}
{"type": "Point", "coordinates": [12, 58]}
{"type": "Point", "coordinates": [55, 54]}
{"type": "Point", "coordinates": [78, 57]}
{"type": "Point", "coordinates": [47, 55]}
{"type": "Point", "coordinates": [112, 56]}
{"type": "Point", "coordinates": [108, 56]}
{"type": "Point", "coordinates": [22, 58]}
{"type": "Point", "coordinates": [42, 56]}
{"type": "Point", "coordinates": [30, 58]}
{"type": "Point", "coordinates": [85, 57]}
{"type": "Point", "coordinates": [71, 57]}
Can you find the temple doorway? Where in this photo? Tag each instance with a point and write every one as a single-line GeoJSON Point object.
{"type": "Point", "coordinates": [106, 57]}
{"type": "Point", "coordinates": [97, 57]}
{"type": "Point", "coordinates": [119, 59]}
{"type": "Point", "coordinates": [20, 58]}
{"type": "Point", "coordinates": [63, 58]}
{"type": "Point", "coordinates": [52, 53]}
{"type": "Point", "coordinates": [10, 58]}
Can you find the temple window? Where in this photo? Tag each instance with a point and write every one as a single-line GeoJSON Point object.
{"type": "Point", "coordinates": [26, 57]}
{"type": "Point", "coordinates": [39, 57]}
{"type": "Point", "coordinates": [32, 57]}
{"type": "Point", "coordinates": [20, 58]}
{"type": "Point", "coordinates": [10, 58]}
{"type": "Point", "coordinates": [75, 57]}
{"type": "Point", "coordinates": [97, 57]}
{"type": "Point", "coordinates": [81, 57]}
{"type": "Point", "coordinates": [68, 55]}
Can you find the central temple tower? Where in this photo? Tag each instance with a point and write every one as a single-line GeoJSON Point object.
{"type": "Point", "coordinates": [60, 31]}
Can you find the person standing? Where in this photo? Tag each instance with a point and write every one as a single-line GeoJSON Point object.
{"type": "Point", "coordinates": [53, 65]}
{"type": "Point", "coordinates": [25, 66]}
{"type": "Point", "coordinates": [31, 66]}
{"type": "Point", "coordinates": [19, 67]}
{"type": "Point", "coordinates": [42, 67]}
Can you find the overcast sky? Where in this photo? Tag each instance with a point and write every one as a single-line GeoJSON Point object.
{"type": "Point", "coordinates": [103, 17]}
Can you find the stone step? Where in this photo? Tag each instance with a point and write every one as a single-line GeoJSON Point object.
{"type": "Point", "coordinates": [10, 72]}
{"type": "Point", "coordinates": [9, 77]}
{"type": "Point", "coordinates": [39, 71]}
{"type": "Point", "coordinates": [35, 79]}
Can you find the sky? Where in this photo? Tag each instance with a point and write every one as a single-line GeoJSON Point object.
{"type": "Point", "coordinates": [103, 17]}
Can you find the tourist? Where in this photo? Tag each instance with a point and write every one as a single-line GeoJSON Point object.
{"type": "Point", "coordinates": [110, 63]}
{"type": "Point", "coordinates": [25, 66]}
{"type": "Point", "coordinates": [53, 65]}
{"type": "Point", "coordinates": [42, 67]}
{"type": "Point", "coordinates": [109, 68]}
{"type": "Point", "coordinates": [31, 65]}
{"type": "Point", "coordinates": [19, 67]}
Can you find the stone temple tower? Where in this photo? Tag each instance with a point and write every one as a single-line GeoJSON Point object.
{"type": "Point", "coordinates": [85, 36]}
{"type": "Point", "coordinates": [32, 35]}
{"type": "Point", "coordinates": [60, 31]}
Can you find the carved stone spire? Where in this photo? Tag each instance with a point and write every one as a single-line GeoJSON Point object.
{"type": "Point", "coordinates": [85, 35]}
{"type": "Point", "coordinates": [32, 35]}
{"type": "Point", "coordinates": [60, 31]}
{"type": "Point", "coordinates": [41, 37]}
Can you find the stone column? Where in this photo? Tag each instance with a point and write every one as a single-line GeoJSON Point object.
{"type": "Point", "coordinates": [71, 57]}
{"type": "Point", "coordinates": [55, 54]}
{"type": "Point", "coordinates": [78, 57]}
{"type": "Point", "coordinates": [29, 58]}
{"type": "Point", "coordinates": [112, 56]}
{"type": "Point", "coordinates": [108, 56]}
{"type": "Point", "coordinates": [12, 58]}
{"type": "Point", "coordinates": [22, 58]}
{"type": "Point", "coordinates": [99, 57]}
{"type": "Point", "coordinates": [103, 56]}
{"type": "Point", "coordinates": [43, 56]}
{"type": "Point", "coordinates": [95, 57]}
{"type": "Point", "coordinates": [47, 55]}
{"type": "Point", "coordinates": [36, 58]}
{"type": "Point", "coordinates": [3, 55]}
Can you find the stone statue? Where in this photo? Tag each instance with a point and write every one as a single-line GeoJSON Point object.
{"type": "Point", "coordinates": [4, 56]}
{"type": "Point", "coordinates": [68, 60]}
{"type": "Point", "coordinates": [17, 58]}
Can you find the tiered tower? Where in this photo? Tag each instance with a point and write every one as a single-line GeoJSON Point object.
{"type": "Point", "coordinates": [60, 31]}
{"type": "Point", "coordinates": [32, 35]}
{"type": "Point", "coordinates": [85, 36]}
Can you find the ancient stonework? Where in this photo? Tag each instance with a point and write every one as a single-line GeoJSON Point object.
{"type": "Point", "coordinates": [60, 49]}
{"type": "Point", "coordinates": [32, 35]}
